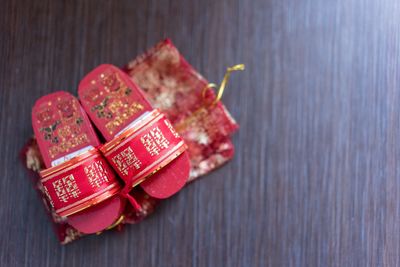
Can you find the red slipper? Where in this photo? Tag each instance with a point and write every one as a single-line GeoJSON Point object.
{"type": "Point", "coordinates": [141, 144]}
{"type": "Point", "coordinates": [78, 181]}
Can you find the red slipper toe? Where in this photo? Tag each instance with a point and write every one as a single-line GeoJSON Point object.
{"type": "Point", "coordinates": [99, 217]}
{"type": "Point", "coordinates": [159, 185]}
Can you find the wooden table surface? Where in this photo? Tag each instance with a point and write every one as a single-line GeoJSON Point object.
{"type": "Point", "coordinates": [315, 180]}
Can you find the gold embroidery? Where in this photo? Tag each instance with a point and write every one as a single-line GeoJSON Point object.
{"type": "Point", "coordinates": [154, 141]}
{"type": "Point", "coordinates": [68, 144]}
{"type": "Point", "coordinates": [121, 117]}
{"type": "Point", "coordinates": [96, 174]}
{"type": "Point", "coordinates": [125, 160]}
{"type": "Point", "coordinates": [66, 188]}
{"type": "Point", "coordinates": [64, 132]}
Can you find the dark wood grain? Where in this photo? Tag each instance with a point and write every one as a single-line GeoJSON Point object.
{"type": "Point", "coordinates": [315, 180]}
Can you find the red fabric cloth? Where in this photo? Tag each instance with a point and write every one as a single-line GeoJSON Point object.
{"type": "Point", "coordinates": [175, 87]}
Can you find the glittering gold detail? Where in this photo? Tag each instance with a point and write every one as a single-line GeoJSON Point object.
{"type": "Point", "coordinates": [125, 159]}
{"type": "Point", "coordinates": [121, 117]}
{"type": "Point", "coordinates": [68, 144]}
{"type": "Point", "coordinates": [66, 188]}
{"type": "Point", "coordinates": [64, 132]}
{"type": "Point", "coordinates": [223, 83]}
{"type": "Point", "coordinates": [154, 141]}
{"type": "Point", "coordinates": [96, 174]}
{"type": "Point", "coordinates": [206, 104]}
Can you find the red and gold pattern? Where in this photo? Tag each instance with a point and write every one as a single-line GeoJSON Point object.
{"type": "Point", "coordinates": [57, 120]}
{"type": "Point", "coordinates": [79, 183]}
{"type": "Point", "coordinates": [111, 101]}
{"type": "Point", "coordinates": [144, 149]}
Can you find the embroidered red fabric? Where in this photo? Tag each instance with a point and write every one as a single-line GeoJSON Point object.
{"type": "Point", "coordinates": [175, 87]}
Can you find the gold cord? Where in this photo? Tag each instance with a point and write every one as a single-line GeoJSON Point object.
{"type": "Point", "coordinates": [202, 109]}
{"type": "Point", "coordinates": [223, 83]}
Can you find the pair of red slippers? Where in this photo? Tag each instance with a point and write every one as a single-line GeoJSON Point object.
{"type": "Point", "coordinates": [140, 147]}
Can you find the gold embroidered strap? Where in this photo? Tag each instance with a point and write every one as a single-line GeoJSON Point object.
{"type": "Point", "coordinates": [79, 183]}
